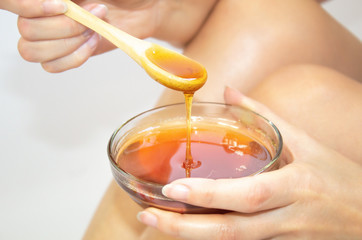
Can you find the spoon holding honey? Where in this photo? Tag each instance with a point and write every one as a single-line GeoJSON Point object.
{"type": "Point", "coordinates": [167, 67]}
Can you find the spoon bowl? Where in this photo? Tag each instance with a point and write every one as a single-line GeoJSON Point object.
{"type": "Point", "coordinates": [167, 67]}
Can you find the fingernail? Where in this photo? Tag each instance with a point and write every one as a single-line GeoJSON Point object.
{"type": "Point", "coordinates": [93, 41]}
{"type": "Point", "coordinates": [147, 218]}
{"type": "Point", "coordinates": [176, 191]}
{"type": "Point", "coordinates": [54, 6]}
{"type": "Point", "coordinates": [99, 10]}
{"type": "Point", "coordinates": [232, 96]}
{"type": "Point", "coordinates": [87, 33]}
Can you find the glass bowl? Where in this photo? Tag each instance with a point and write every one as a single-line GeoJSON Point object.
{"type": "Point", "coordinates": [148, 151]}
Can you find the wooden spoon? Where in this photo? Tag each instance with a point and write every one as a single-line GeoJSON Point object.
{"type": "Point", "coordinates": [169, 68]}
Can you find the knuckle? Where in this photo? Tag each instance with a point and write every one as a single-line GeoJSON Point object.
{"type": "Point", "coordinates": [226, 231]}
{"type": "Point", "coordinates": [309, 181]}
{"type": "Point", "coordinates": [66, 44]}
{"type": "Point", "coordinates": [175, 228]}
{"type": "Point", "coordinates": [257, 195]}
{"type": "Point", "coordinates": [209, 195]}
{"type": "Point", "coordinates": [73, 27]}
{"type": "Point", "coordinates": [171, 227]}
{"type": "Point", "coordinates": [208, 198]}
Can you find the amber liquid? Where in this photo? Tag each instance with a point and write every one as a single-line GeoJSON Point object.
{"type": "Point", "coordinates": [186, 68]}
{"type": "Point", "coordinates": [159, 155]}
{"type": "Point", "coordinates": [176, 64]}
{"type": "Point", "coordinates": [189, 162]}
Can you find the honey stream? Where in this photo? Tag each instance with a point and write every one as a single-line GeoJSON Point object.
{"type": "Point", "coordinates": [189, 161]}
{"type": "Point", "coordinates": [178, 71]}
{"type": "Point", "coordinates": [195, 76]}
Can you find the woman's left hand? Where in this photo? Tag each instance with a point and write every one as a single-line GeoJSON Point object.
{"type": "Point", "coordinates": [317, 194]}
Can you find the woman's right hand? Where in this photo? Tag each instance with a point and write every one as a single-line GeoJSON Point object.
{"type": "Point", "coordinates": [59, 43]}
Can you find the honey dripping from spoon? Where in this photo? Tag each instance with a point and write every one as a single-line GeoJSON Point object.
{"type": "Point", "coordinates": [169, 68]}
{"type": "Point", "coordinates": [195, 76]}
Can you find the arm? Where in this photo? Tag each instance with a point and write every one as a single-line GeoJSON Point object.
{"type": "Point", "coordinates": [59, 43]}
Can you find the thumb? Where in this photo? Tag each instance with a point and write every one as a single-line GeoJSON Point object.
{"type": "Point", "coordinates": [34, 8]}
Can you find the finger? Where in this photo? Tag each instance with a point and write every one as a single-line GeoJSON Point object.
{"type": "Point", "coordinates": [48, 28]}
{"type": "Point", "coordinates": [234, 97]}
{"type": "Point", "coordinates": [249, 194]}
{"type": "Point", "coordinates": [58, 27]}
{"type": "Point", "coordinates": [75, 59]}
{"type": "Point", "coordinates": [34, 8]}
{"type": "Point", "coordinates": [45, 51]}
{"type": "Point", "coordinates": [215, 226]}
{"type": "Point", "coordinates": [291, 135]}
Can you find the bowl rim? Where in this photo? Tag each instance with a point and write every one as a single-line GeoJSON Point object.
{"type": "Point", "coordinates": [158, 185]}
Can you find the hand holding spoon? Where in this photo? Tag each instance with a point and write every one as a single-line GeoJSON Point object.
{"type": "Point", "coordinates": [169, 68]}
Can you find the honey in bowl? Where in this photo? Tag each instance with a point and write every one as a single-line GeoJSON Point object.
{"type": "Point", "coordinates": [193, 76]}
{"type": "Point", "coordinates": [226, 142]}
{"type": "Point", "coordinates": [158, 155]}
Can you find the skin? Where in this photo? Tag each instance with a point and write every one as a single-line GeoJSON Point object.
{"type": "Point", "coordinates": [34, 8]}
{"type": "Point", "coordinates": [270, 67]}
{"type": "Point", "coordinates": [315, 173]}
{"type": "Point", "coordinates": [257, 38]}
{"type": "Point", "coordinates": [328, 97]}
{"type": "Point", "coordinates": [316, 180]}
{"type": "Point", "coordinates": [318, 183]}
{"type": "Point", "coordinates": [69, 44]}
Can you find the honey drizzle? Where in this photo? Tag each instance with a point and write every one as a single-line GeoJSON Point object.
{"type": "Point", "coordinates": [194, 75]}
{"type": "Point", "coordinates": [189, 161]}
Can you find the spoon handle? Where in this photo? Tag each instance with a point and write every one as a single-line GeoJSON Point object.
{"type": "Point", "coordinates": [134, 47]}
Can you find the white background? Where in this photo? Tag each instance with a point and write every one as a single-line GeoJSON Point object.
{"type": "Point", "coordinates": [54, 129]}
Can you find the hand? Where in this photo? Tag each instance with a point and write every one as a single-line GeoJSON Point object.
{"type": "Point", "coordinates": [34, 8]}
{"type": "Point", "coordinates": [59, 43]}
{"type": "Point", "coordinates": [316, 195]}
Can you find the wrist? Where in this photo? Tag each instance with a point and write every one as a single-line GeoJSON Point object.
{"type": "Point", "coordinates": [180, 21]}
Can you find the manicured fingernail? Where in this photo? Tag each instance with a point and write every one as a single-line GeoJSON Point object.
{"type": "Point", "coordinates": [87, 33]}
{"type": "Point", "coordinates": [99, 10]}
{"type": "Point", "coordinates": [93, 41]}
{"type": "Point", "coordinates": [54, 6]}
{"type": "Point", "coordinates": [233, 96]}
{"type": "Point", "coordinates": [147, 218]}
{"type": "Point", "coordinates": [176, 191]}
